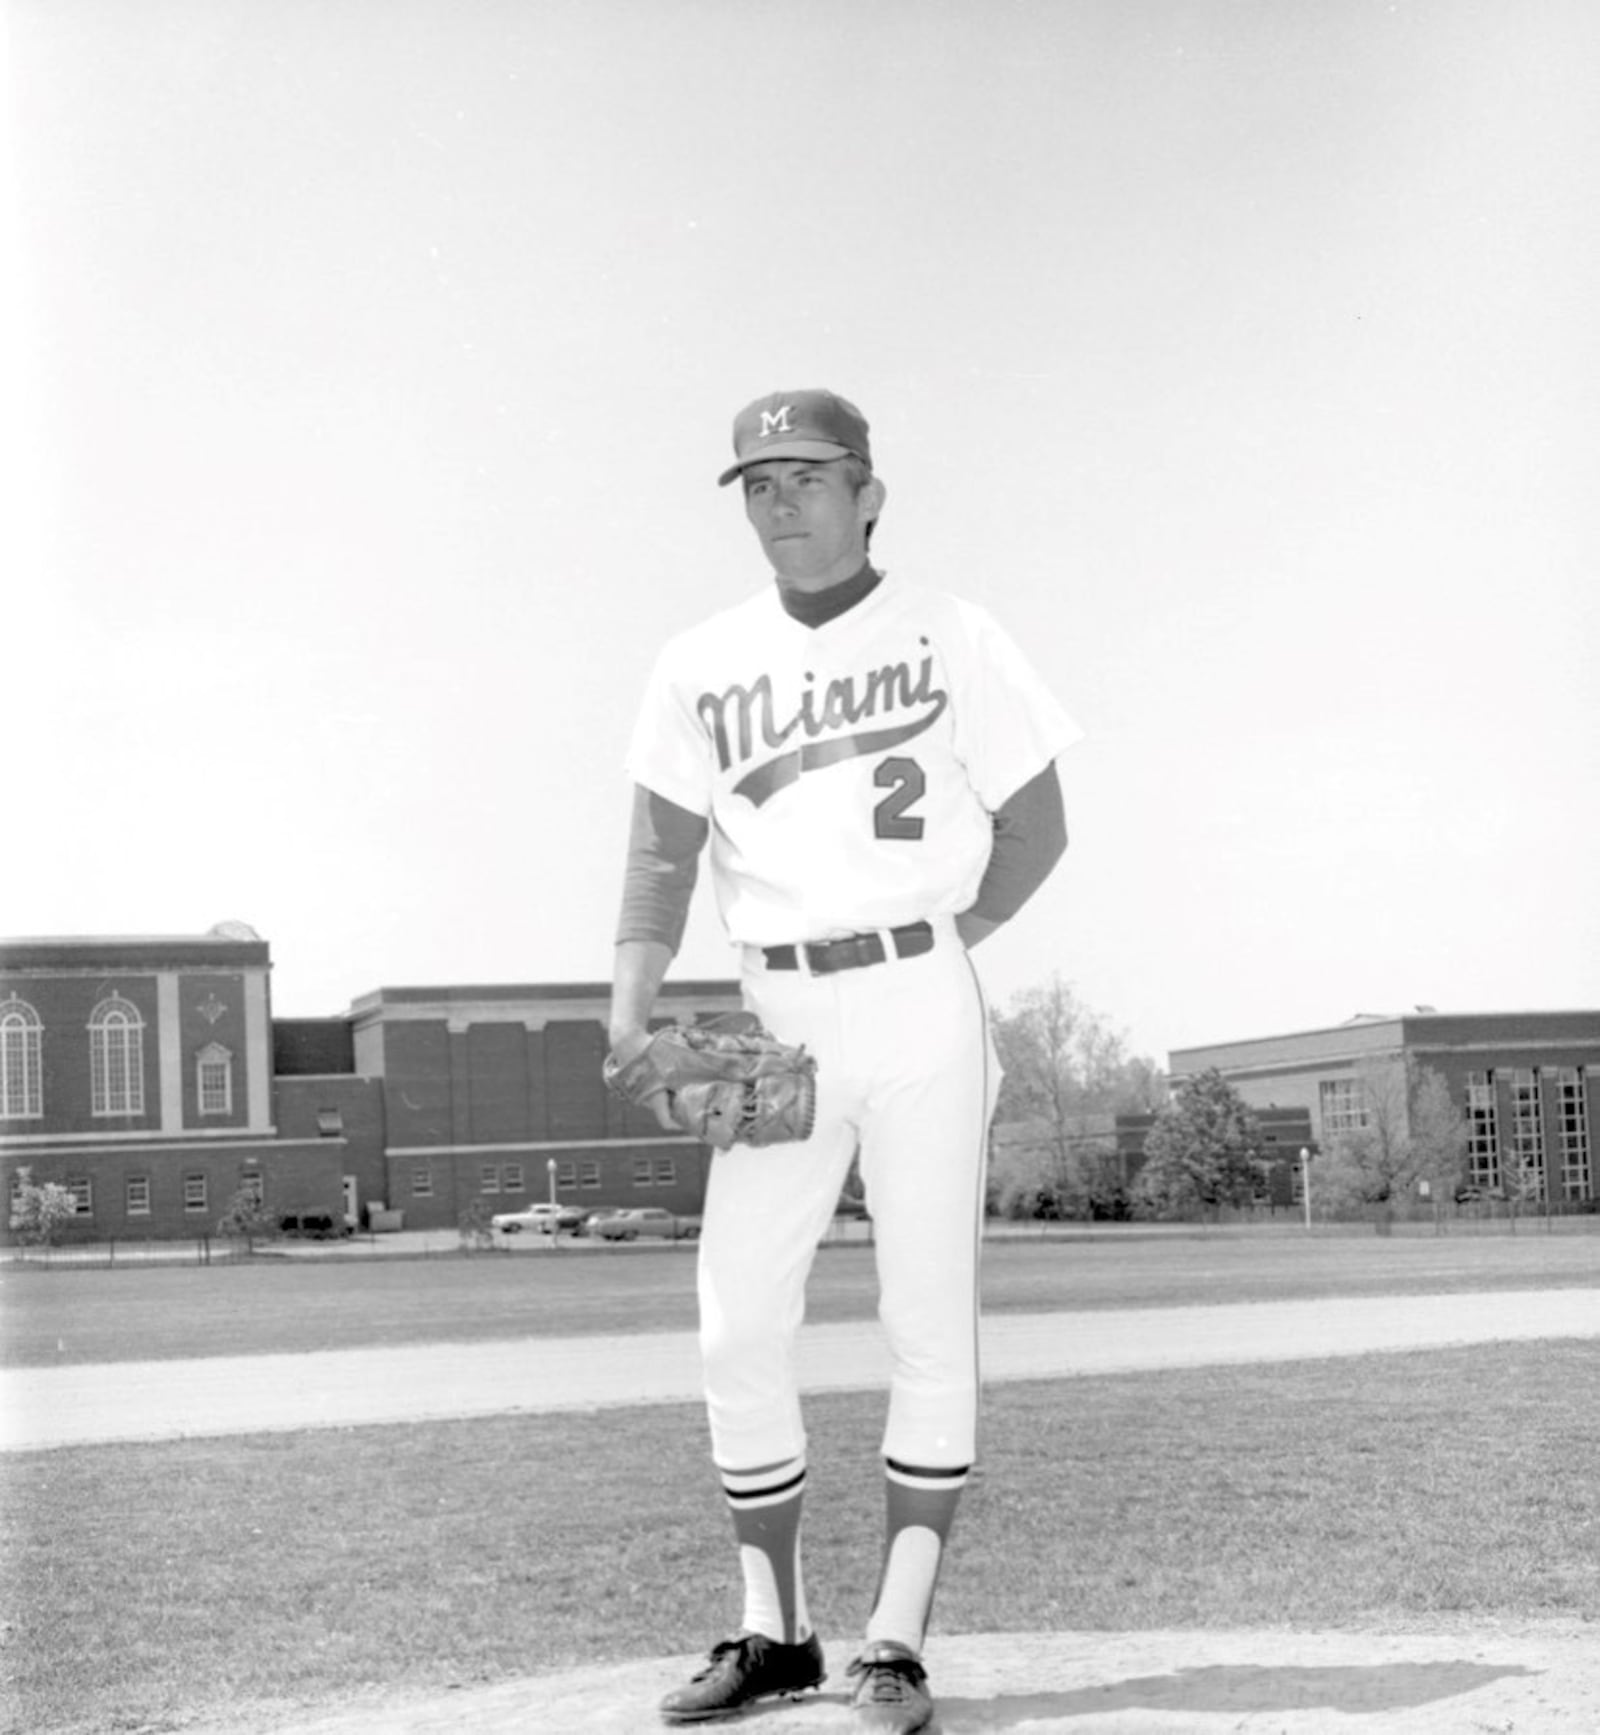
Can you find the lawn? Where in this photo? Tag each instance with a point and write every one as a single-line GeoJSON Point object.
{"type": "Point", "coordinates": [63, 1315]}
{"type": "Point", "coordinates": [238, 1581]}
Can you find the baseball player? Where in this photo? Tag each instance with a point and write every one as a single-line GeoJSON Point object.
{"type": "Point", "coordinates": [873, 765]}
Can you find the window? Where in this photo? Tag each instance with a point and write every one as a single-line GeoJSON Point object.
{"type": "Point", "coordinates": [1572, 1132]}
{"type": "Point", "coordinates": [644, 1169]}
{"type": "Point", "coordinates": [589, 1175]}
{"type": "Point", "coordinates": [82, 1192]}
{"type": "Point", "coordinates": [116, 1058]}
{"type": "Point", "coordinates": [666, 1172]}
{"type": "Point", "coordinates": [422, 1183]}
{"type": "Point", "coordinates": [567, 1174]}
{"type": "Point", "coordinates": [514, 1182]}
{"type": "Point", "coordinates": [214, 1079]}
{"type": "Point", "coordinates": [138, 1195]}
{"type": "Point", "coordinates": [488, 1178]}
{"type": "Point", "coordinates": [21, 1065]}
{"type": "Point", "coordinates": [194, 1193]}
{"type": "Point", "coordinates": [1525, 1153]}
{"type": "Point", "coordinates": [1483, 1131]}
{"type": "Point", "coordinates": [1344, 1106]}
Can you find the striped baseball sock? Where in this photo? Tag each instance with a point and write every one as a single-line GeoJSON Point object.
{"type": "Point", "coordinates": [921, 1508]}
{"type": "Point", "coordinates": [765, 1503]}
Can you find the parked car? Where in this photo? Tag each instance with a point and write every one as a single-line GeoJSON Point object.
{"type": "Point", "coordinates": [588, 1220]}
{"type": "Point", "coordinates": [547, 1219]}
{"type": "Point", "coordinates": [629, 1225]}
{"type": "Point", "coordinates": [1473, 1194]}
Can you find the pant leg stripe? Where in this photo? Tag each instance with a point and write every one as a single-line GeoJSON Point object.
{"type": "Point", "coordinates": [983, 1182]}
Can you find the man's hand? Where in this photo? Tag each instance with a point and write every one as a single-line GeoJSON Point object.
{"type": "Point", "coordinates": [640, 968]}
{"type": "Point", "coordinates": [627, 1043]}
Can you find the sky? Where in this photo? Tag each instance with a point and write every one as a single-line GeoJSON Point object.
{"type": "Point", "coordinates": [372, 362]}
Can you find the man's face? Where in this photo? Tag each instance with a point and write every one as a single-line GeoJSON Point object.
{"type": "Point", "coordinates": [811, 521]}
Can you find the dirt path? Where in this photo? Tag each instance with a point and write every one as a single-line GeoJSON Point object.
{"type": "Point", "coordinates": [49, 1407]}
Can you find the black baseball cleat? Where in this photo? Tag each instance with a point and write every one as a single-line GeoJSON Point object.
{"type": "Point", "coordinates": [740, 1671]}
{"type": "Point", "coordinates": [891, 1696]}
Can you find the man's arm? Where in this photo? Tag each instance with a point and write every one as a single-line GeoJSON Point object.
{"type": "Point", "coordinates": [664, 847]}
{"type": "Point", "coordinates": [638, 970]}
{"type": "Point", "coordinates": [1030, 834]}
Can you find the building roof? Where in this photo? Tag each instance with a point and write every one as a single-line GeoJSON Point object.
{"type": "Point", "coordinates": [458, 993]}
{"type": "Point", "coordinates": [461, 1004]}
{"type": "Point", "coordinates": [1368, 1034]}
{"type": "Point", "coordinates": [228, 943]}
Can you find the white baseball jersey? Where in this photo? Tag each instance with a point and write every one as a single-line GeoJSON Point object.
{"type": "Point", "coordinates": [849, 770]}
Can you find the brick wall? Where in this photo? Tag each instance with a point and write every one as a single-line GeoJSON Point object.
{"type": "Point", "coordinates": [161, 1191]}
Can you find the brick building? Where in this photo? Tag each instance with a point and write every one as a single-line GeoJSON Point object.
{"type": "Point", "coordinates": [149, 1077]}
{"type": "Point", "coordinates": [495, 1093]}
{"type": "Point", "coordinates": [1528, 1084]}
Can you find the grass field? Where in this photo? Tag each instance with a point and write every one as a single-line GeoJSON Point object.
{"type": "Point", "coordinates": [236, 1580]}
{"type": "Point", "coordinates": [51, 1317]}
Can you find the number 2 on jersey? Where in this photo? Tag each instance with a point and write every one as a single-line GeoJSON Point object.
{"type": "Point", "coordinates": [904, 780]}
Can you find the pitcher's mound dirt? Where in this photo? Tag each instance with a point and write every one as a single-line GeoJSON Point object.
{"type": "Point", "coordinates": [1503, 1679]}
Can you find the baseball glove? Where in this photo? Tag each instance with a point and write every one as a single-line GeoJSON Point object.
{"type": "Point", "coordinates": [727, 1081]}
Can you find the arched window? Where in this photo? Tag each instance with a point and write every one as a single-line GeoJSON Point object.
{"type": "Point", "coordinates": [214, 1079]}
{"type": "Point", "coordinates": [21, 1065]}
{"type": "Point", "coordinates": [116, 1058]}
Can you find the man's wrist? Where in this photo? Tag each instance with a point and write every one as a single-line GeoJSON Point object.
{"type": "Point", "coordinates": [627, 1040]}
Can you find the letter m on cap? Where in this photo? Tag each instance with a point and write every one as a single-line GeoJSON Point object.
{"type": "Point", "coordinates": [776, 422]}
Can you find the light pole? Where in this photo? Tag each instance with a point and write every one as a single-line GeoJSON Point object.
{"type": "Point", "coordinates": [1305, 1181]}
{"type": "Point", "coordinates": [555, 1227]}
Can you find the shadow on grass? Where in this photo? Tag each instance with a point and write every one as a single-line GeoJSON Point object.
{"type": "Point", "coordinates": [1240, 1688]}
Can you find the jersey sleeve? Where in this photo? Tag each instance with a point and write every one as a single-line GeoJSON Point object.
{"type": "Point", "coordinates": [669, 752]}
{"type": "Point", "coordinates": [1011, 725]}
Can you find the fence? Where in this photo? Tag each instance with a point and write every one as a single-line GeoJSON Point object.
{"type": "Point", "coordinates": [198, 1250]}
{"type": "Point", "coordinates": [1488, 1217]}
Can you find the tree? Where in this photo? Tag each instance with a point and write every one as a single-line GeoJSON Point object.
{"type": "Point", "coordinates": [1438, 1137]}
{"type": "Point", "coordinates": [1366, 1165]}
{"type": "Point", "coordinates": [1142, 1087]}
{"type": "Point", "coordinates": [1202, 1152]}
{"type": "Point", "coordinates": [1521, 1176]}
{"type": "Point", "coordinates": [1410, 1132]}
{"type": "Point", "coordinates": [1066, 1072]}
{"type": "Point", "coordinates": [474, 1227]}
{"type": "Point", "coordinates": [247, 1217]}
{"type": "Point", "coordinates": [40, 1211]}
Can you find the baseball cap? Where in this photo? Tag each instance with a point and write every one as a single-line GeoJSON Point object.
{"type": "Point", "coordinates": [811, 424]}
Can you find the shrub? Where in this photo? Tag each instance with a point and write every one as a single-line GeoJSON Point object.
{"type": "Point", "coordinates": [41, 1210]}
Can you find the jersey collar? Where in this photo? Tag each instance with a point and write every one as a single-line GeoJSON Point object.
{"type": "Point", "coordinates": [816, 608]}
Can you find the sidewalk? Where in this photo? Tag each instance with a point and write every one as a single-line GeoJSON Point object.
{"type": "Point", "coordinates": [51, 1407]}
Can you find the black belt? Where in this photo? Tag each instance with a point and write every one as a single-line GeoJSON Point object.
{"type": "Point", "coordinates": [853, 952]}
